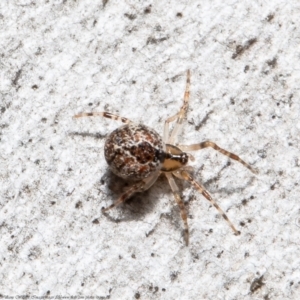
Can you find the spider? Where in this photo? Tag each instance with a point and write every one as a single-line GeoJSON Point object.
{"type": "Point", "coordinates": [138, 153]}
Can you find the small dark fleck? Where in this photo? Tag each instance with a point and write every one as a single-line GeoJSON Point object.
{"type": "Point", "coordinates": [232, 101]}
{"type": "Point", "coordinates": [78, 204]}
{"type": "Point", "coordinates": [179, 15]}
{"type": "Point", "coordinates": [137, 296]}
{"type": "Point", "coordinates": [240, 49]}
{"type": "Point", "coordinates": [17, 77]}
{"type": "Point", "coordinates": [242, 224]}
{"type": "Point", "coordinates": [262, 153]}
{"type": "Point", "coordinates": [272, 62]}
{"type": "Point", "coordinates": [246, 68]}
{"type": "Point", "coordinates": [51, 147]}
{"type": "Point", "coordinates": [3, 109]}
{"type": "Point", "coordinates": [147, 10]}
{"type": "Point", "coordinates": [155, 289]}
{"type": "Point", "coordinates": [270, 17]}
{"type": "Point", "coordinates": [173, 275]}
{"type": "Point", "coordinates": [163, 289]}
{"type": "Point", "coordinates": [256, 284]}
{"type": "Point", "coordinates": [34, 87]}
{"type": "Point", "coordinates": [158, 27]}
{"type": "Point", "coordinates": [246, 254]}
{"type": "Point", "coordinates": [220, 254]}
{"type": "Point", "coordinates": [273, 117]}
{"type": "Point", "coordinates": [244, 201]}
{"type": "Point", "coordinates": [52, 202]}
{"type": "Point", "coordinates": [152, 254]}
{"type": "Point", "coordinates": [152, 40]}
{"type": "Point", "coordinates": [133, 82]}
{"type": "Point", "coordinates": [130, 16]}
{"type": "Point", "coordinates": [48, 293]}
{"type": "Point", "coordinates": [82, 284]}
{"type": "Point", "coordinates": [44, 120]}
{"type": "Point", "coordinates": [37, 162]}
{"type": "Point", "coordinates": [133, 49]}
{"type": "Point", "coordinates": [90, 104]}
{"type": "Point", "coordinates": [133, 256]}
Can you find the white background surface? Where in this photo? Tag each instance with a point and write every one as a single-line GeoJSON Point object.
{"type": "Point", "coordinates": [58, 58]}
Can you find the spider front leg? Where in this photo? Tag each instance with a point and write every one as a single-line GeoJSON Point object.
{"type": "Point", "coordinates": [180, 116]}
{"type": "Point", "coordinates": [180, 203]}
{"type": "Point", "coordinates": [206, 144]}
{"type": "Point", "coordinates": [183, 174]}
{"type": "Point", "coordinates": [105, 115]}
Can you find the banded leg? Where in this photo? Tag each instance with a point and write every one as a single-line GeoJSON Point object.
{"type": "Point", "coordinates": [138, 187]}
{"type": "Point", "coordinates": [186, 176]}
{"type": "Point", "coordinates": [180, 203]}
{"type": "Point", "coordinates": [134, 189]}
{"type": "Point", "coordinates": [203, 145]}
{"type": "Point", "coordinates": [180, 116]}
{"type": "Point", "coordinates": [105, 115]}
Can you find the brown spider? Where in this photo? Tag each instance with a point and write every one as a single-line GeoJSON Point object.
{"type": "Point", "coordinates": [137, 152]}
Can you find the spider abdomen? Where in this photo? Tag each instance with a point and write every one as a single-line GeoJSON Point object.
{"type": "Point", "coordinates": [134, 151]}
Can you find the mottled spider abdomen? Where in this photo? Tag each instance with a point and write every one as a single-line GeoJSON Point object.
{"type": "Point", "coordinates": [134, 151]}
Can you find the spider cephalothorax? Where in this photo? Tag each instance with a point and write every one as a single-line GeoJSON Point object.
{"type": "Point", "coordinates": [137, 152]}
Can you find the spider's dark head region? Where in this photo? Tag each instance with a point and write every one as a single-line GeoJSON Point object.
{"type": "Point", "coordinates": [134, 152]}
{"type": "Point", "coordinates": [174, 159]}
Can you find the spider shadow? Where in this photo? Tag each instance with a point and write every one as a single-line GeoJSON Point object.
{"type": "Point", "coordinates": [134, 208]}
{"type": "Point", "coordinates": [96, 136]}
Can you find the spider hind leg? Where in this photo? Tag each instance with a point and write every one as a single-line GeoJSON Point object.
{"type": "Point", "coordinates": [125, 196]}
{"type": "Point", "coordinates": [136, 188]}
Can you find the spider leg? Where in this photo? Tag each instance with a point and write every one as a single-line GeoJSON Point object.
{"type": "Point", "coordinates": [180, 116]}
{"type": "Point", "coordinates": [136, 188]}
{"type": "Point", "coordinates": [105, 115]}
{"type": "Point", "coordinates": [183, 174]}
{"type": "Point", "coordinates": [206, 144]}
{"type": "Point", "coordinates": [180, 203]}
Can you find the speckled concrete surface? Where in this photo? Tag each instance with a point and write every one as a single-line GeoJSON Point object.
{"type": "Point", "coordinates": [58, 58]}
